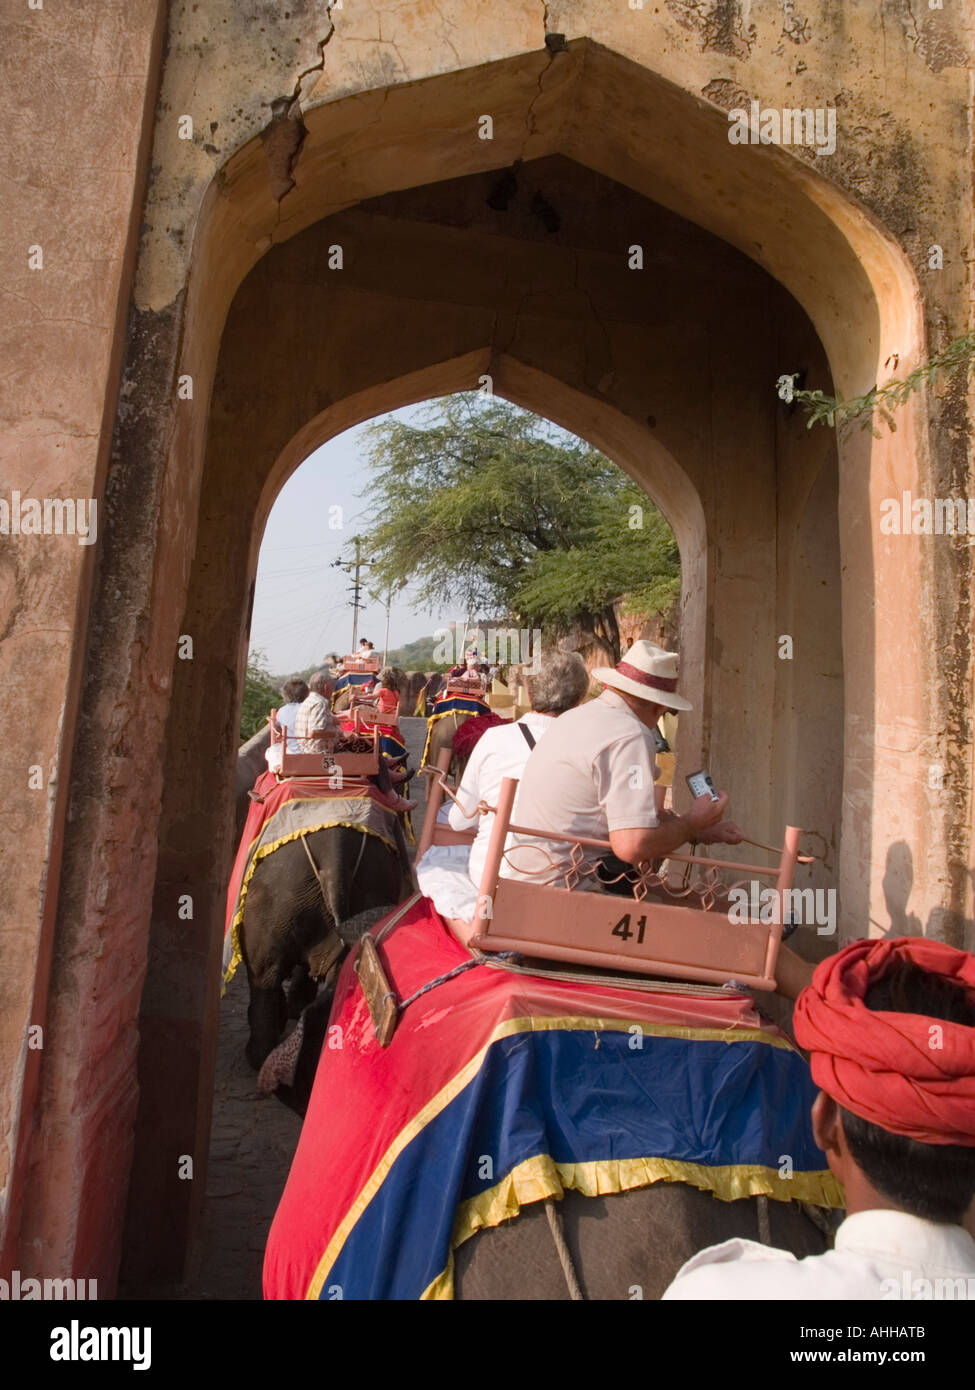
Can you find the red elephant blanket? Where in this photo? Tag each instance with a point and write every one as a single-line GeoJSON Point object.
{"type": "Point", "coordinates": [502, 1088]}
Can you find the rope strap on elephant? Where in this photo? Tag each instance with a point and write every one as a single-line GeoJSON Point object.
{"type": "Point", "coordinates": [289, 810]}
{"type": "Point", "coordinates": [501, 1088]}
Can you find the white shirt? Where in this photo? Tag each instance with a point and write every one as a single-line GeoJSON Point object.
{"type": "Point", "coordinates": [286, 720]}
{"type": "Point", "coordinates": [501, 752]}
{"type": "Point", "coordinates": [314, 714]}
{"type": "Point", "coordinates": [594, 773]}
{"type": "Point", "coordinates": [876, 1254]}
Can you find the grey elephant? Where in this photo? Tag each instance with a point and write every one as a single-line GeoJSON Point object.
{"type": "Point", "coordinates": [299, 922]}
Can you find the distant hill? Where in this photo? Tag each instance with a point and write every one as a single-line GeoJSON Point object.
{"type": "Point", "coordinates": [418, 656]}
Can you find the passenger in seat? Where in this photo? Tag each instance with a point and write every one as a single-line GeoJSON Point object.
{"type": "Point", "coordinates": [314, 716]}
{"type": "Point", "coordinates": [593, 778]}
{"type": "Point", "coordinates": [504, 750]}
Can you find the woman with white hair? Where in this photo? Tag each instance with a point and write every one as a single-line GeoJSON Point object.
{"type": "Point", "coordinates": [445, 873]}
{"type": "Point", "coordinates": [503, 751]}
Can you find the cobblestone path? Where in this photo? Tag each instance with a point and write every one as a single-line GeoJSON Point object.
{"type": "Point", "coordinates": [252, 1142]}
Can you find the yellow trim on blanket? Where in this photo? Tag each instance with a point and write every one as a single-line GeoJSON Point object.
{"type": "Point", "coordinates": [261, 853]}
{"type": "Point", "coordinates": [467, 1073]}
{"type": "Point", "coordinates": [445, 714]}
{"type": "Point", "coordinates": [540, 1177]}
{"type": "Point", "coordinates": [346, 795]}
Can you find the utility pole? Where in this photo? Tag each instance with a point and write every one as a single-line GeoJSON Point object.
{"type": "Point", "coordinates": [357, 565]}
{"type": "Point", "coordinates": [389, 604]}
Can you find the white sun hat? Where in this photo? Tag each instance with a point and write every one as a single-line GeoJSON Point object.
{"type": "Point", "coordinates": [648, 672]}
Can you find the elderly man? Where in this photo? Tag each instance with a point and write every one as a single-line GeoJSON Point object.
{"type": "Point", "coordinates": [890, 1028]}
{"type": "Point", "coordinates": [314, 716]}
{"type": "Point", "coordinates": [503, 751]}
{"type": "Point", "coordinates": [593, 778]}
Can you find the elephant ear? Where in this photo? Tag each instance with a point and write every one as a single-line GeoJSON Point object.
{"type": "Point", "coordinates": [323, 956]}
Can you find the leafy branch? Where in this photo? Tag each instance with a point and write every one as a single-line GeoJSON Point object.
{"type": "Point", "coordinates": [879, 400]}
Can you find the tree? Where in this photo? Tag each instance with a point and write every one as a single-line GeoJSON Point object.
{"type": "Point", "coordinates": [260, 696]}
{"type": "Point", "coordinates": [491, 509]}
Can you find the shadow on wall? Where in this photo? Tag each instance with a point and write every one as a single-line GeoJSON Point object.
{"type": "Point", "coordinates": [942, 924]}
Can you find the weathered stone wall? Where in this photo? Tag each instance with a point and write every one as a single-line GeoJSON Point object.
{"type": "Point", "coordinates": [77, 89]}
{"type": "Point", "coordinates": [302, 114]}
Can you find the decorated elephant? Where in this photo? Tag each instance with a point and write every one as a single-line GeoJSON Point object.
{"type": "Point", "coordinates": [296, 916]}
{"type": "Point", "coordinates": [533, 1134]}
{"type": "Point", "coordinates": [306, 894]}
{"type": "Point", "coordinates": [623, 1246]}
{"type": "Point", "coordinates": [458, 731]}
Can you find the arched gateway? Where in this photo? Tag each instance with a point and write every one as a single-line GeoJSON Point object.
{"type": "Point", "coordinates": [249, 341]}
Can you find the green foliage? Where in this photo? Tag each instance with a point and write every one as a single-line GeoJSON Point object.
{"type": "Point", "coordinates": [261, 695]}
{"type": "Point", "coordinates": [488, 508]}
{"type": "Point", "coordinates": [610, 562]}
{"type": "Point", "coordinates": [881, 400]}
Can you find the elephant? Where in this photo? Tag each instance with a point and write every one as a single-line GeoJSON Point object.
{"type": "Point", "coordinates": [625, 1246]}
{"type": "Point", "coordinates": [442, 736]}
{"type": "Point", "coordinates": [289, 914]}
{"type": "Point", "coordinates": [250, 764]}
{"type": "Point", "coordinates": [415, 682]}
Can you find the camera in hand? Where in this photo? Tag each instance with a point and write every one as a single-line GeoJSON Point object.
{"type": "Point", "coordinates": [701, 785]}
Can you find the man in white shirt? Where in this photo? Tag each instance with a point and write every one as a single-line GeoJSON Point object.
{"type": "Point", "coordinates": [503, 751]}
{"type": "Point", "coordinates": [896, 1119]}
{"type": "Point", "coordinates": [595, 780]}
{"type": "Point", "coordinates": [314, 716]}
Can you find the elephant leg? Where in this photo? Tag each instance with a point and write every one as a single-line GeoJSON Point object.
{"type": "Point", "coordinates": [277, 892]}
{"type": "Point", "coordinates": [300, 990]}
{"type": "Point", "coordinates": [266, 1016]}
{"type": "Point", "coordinates": [314, 1030]}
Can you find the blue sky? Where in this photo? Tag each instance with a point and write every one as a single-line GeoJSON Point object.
{"type": "Point", "coordinates": [302, 605]}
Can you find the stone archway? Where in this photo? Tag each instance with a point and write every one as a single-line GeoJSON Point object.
{"type": "Point", "coordinates": [591, 360]}
{"type": "Point", "coordinates": [598, 109]}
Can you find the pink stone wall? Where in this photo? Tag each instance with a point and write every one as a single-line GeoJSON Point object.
{"type": "Point", "coordinates": [77, 85]}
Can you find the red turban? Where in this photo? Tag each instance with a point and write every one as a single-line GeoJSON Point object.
{"type": "Point", "coordinates": [892, 1069]}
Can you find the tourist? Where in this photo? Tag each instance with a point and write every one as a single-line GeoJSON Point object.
{"type": "Point", "coordinates": [503, 751]}
{"type": "Point", "coordinates": [595, 779]}
{"type": "Point", "coordinates": [387, 693]}
{"type": "Point", "coordinates": [294, 692]}
{"type": "Point", "coordinates": [314, 716]}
